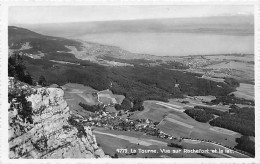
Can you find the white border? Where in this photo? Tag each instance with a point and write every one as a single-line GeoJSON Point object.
{"type": "Point", "coordinates": [4, 90]}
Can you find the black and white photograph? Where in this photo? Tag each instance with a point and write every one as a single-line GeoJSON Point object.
{"type": "Point", "coordinates": [131, 81]}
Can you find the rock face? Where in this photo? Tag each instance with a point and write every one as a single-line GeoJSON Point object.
{"type": "Point", "coordinates": [47, 130]}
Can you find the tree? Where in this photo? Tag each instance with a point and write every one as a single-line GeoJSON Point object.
{"type": "Point", "coordinates": [42, 81]}
{"type": "Point", "coordinates": [17, 69]}
{"type": "Point", "coordinates": [28, 79]}
{"type": "Point", "coordinates": [138, 105]}
{"type": "Point", "coordinates": [91, 108]}
{"type": "Point", "coordinates": [244, 143]}
{"type": "Point", "coordinates": [125, 105]}
{"type": "Point", "coordinates": [115, 156]}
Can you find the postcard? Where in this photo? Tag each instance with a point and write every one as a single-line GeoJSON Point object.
{"type": "Point", "coordinates": [129, 81]}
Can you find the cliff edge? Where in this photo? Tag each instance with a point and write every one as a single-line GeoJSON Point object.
{"type": "Point", "coordinates": [41, 125]}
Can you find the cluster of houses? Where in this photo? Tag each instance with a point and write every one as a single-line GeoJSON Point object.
{"type": "Point", "coordinates": [197, 63]}
{"type": "Point", "coordinates": [113, 122]}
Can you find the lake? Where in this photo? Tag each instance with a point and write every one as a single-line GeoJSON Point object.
{"type": "Point", "coordinates": [175, 44]}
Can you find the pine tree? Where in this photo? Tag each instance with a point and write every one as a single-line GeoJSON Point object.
{"type": "Point", "coordinates": [17, 69]}
{"type": "Point", "coordinates": [42, 81]}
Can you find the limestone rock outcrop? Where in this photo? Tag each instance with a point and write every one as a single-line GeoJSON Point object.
{"type": "Point", "coordinates": [42, 127]}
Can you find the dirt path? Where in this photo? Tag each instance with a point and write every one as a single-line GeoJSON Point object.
{"type": "Point", "coordinates": [171, 106]}
{"type": "Point", "coordinates": [179, 122]}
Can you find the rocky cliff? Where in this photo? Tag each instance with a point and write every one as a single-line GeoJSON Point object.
{"type": "Point", "coordinates": [41, 125]}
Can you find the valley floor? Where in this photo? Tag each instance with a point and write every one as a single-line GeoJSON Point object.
{"type": "Point", "coordinates": [172, 121]}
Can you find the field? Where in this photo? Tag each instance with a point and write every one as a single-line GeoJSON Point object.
{"type": "Point", "coordinates": [76, 93]}
{"type": "Point", "coordinates": [217, 67]}
{"type": "Point", "coordinates": [220, 79]}
{"type": "Point", "coordinates": [240, 67]}
{"type": "Point", "coordinates": [179, 124]}
{"type": "Point", "coordinates": [205, 98]}
{"type": "Point", "coordinates": [197, 101]}
{"type": "Point", "coordinates": [224, 131]}
{"type": "Point", "coordinates": [107, 97]}
{"type": "Point", "coordinates": [111, 140]}
{"type": "Point", "coordinates": [245, 91]}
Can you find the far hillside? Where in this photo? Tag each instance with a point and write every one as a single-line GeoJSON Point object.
{"type": "Point", "coordinates": [18, 37]}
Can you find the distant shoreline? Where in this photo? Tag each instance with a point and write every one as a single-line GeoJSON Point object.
{"type": "Point", "coordinates": [174, 44]}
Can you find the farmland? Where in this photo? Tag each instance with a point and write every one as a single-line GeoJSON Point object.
{"type": "Point", "coordinates": [195, 135]}
{"type": "Point", "coordinates": [107, 97]}
{"type": "Point", "coordinates": [245, 91]}
{"type": "Point", "coordinates": [111, 141]}
{"type": "Point", "coordinates": [179, 124]}
{"type": "Point", "coordinates": [78, 93]}
{"type": "Point", "coordinates": [110, 144]}
{"type": "Point", "coordinates": [172, 120]}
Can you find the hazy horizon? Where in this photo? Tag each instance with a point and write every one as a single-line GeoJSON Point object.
{"type": "Point", "coordinates": [66, 14]}
{"type": "Point", "coordinates": [158, 30]}
{"type": "Point", "coordinates": [144, 19]}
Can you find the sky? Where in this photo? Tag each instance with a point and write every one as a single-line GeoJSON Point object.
{"type": "Point", "coordinates": [63, 14]}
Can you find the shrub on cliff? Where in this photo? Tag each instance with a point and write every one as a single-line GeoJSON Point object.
{"type": "Point", "coordinates": [79, 126]}
{"type": "Point", "coordinates": [17, 99]}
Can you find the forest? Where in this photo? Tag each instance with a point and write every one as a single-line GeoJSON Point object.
{"type": "Point", "coordinates": [199, 115]}
{"type": "Point", "coordinates": [231, 99]}
{"type": "Point", "coordinates": [136, 83]}
{"type": "Point", "coordinates": [203, 114]}
{"type": "Point", "coordinates": [245, 144]}
{"type": "Point", "coordinates": [241, 120]}
{"type": "Point", "coordinates": [91, 108]}
{"type": "Point", "coordinates": [238, 119]}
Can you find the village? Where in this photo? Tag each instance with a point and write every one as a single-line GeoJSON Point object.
{"type": "Point", "coordinates": [117, 121]}
{"type": "Point", "coordinates": [121, 122]}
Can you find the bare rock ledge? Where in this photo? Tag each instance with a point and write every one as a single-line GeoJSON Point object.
{"type": "Point", "coordinates": [49, 134]}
